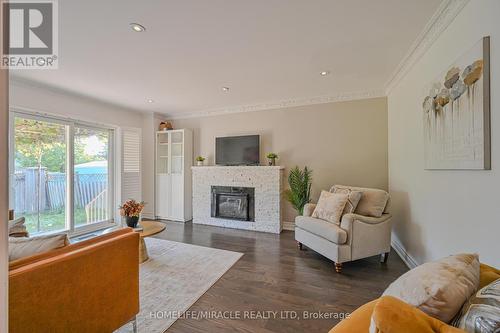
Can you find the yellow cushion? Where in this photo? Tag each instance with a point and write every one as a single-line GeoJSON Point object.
{"type": "Point", "coordinates": [358, 321]}
{"type": "Point", "coordinates": [488, 275]}
{"type": "Point", "coordinates": [392, 315]}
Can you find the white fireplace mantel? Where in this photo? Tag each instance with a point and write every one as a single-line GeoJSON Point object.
{"type": "Point", "coordinates": [267, 182]}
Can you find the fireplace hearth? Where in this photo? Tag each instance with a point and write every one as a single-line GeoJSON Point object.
{"type": "Point", "coordinates": [234, 203]}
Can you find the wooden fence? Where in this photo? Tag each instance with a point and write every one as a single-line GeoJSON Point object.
{"type": "Point", "coordinates": [36, 190]}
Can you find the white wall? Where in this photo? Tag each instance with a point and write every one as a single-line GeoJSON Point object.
{"type": "Point", "coordinates": [438, 213]}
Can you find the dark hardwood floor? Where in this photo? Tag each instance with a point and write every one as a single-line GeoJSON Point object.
{"type": "Point", "coordinates": [273, 275]}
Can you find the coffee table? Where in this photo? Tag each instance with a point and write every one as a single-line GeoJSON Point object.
{"type": "Point", "coordinates": [149, 228]}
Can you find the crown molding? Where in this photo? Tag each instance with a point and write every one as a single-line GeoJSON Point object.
{"type": "Point", "coordinates": [442, 18]}
{"type": "Point", "coordinates": [279, 105]}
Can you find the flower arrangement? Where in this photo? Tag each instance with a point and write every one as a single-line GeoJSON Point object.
{"type": "Point", "coordinates": [131, 208]}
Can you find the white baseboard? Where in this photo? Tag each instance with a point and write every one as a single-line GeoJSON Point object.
{"type": "Point", "coordinates": [287, 225]}
{"type": "Point", "coordinates": [403, 254]}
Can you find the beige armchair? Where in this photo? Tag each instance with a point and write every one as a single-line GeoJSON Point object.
{"type": "Point", "coordinates": [358, 236]}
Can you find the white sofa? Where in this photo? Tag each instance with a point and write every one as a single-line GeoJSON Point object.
{"type": "Point", "coordinates": [358, 236]}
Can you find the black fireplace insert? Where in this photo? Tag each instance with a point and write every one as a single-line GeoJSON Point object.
{"type": "Point", "coordinates": [235, 203]}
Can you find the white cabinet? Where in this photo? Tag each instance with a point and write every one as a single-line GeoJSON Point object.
{"type": "Point", "coordinates": [174, 158]}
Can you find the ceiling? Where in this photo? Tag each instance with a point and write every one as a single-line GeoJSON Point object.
{"type": "Point", "coordinates": [265, 51]}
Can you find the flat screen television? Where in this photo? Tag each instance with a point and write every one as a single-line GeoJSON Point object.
{"type": "Point", "coordinates": [237, 150]}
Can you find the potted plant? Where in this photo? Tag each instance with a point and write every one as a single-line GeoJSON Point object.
{"type": "Point", "coordinates": [200, 160]}
{"type": "Point", "coordinates": [131, 210]}
{"type": "Point", "coordinates": [272, 158]}
{"type": "Point", "coordinates": [300, 188]}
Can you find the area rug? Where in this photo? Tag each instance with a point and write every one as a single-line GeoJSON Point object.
{"type": "Point", "coordinates": [174, 278]}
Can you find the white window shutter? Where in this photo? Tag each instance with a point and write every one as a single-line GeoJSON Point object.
{"type": "Point", "coordinates": [131, 164]}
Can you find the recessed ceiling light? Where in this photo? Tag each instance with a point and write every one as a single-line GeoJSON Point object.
{"type": "Point", "coordinates": [150, 101]}
{"type": "Point", "coordinates": [137, 27]}
{"type": "Point", "coordinates": [324, 73]}
{"type": "Point", "coordinates": [225, 89]}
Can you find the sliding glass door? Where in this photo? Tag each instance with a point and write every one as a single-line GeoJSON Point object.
{"type": "Point", "coordinates": [52, 158]}
{"type": "Point", "coordinates": [40, 174]}
{"type": "Point", "coordinates": [91, 174]}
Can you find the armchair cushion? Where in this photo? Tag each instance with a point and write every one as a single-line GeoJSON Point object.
{"type": "Point", "coordinates": [309, 209]}
{"type": "Point", "coordinates": [372, 203]}
{"type": "Point", "coordinates": [353, 198]}
{"type": "Point", "coordinates": [17, 227]}
{"type": "Point", "coordinates": [330, 206]}
{"type": "Point", "coordinates": [321, 228]}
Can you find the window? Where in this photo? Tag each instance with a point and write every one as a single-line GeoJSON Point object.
{"type": "Point", "coordinates": [53, 158]}
{"type": "Point", "coordinates": [91, 175]}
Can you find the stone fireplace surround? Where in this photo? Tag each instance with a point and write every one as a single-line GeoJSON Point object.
{"type": "Point", "coordinates": [267, 182]}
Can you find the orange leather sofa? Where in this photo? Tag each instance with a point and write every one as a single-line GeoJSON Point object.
{"type": "Point", "coordinates": [391, 315]}
{"type": "Point", "coordinates": [91, 286]}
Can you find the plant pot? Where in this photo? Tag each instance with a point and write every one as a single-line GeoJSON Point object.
{"type": "Point", "coordinates": [199, 163]}
{"type": "Point", "coordinates": [132, 221]}
{"type": "Point", "coordinates": [272, 161]}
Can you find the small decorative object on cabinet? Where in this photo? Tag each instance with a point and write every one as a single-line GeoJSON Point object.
{"type": "Point", "coordinates": [174, 158]}
{"type": "Point", "coordinates": [272, 157]}
{"type": "Point", "coordinates": [200, 160]}
{"type": "Point", "coordinates": [131, 210]}
{"type": "Point", "coordinates": [166, 126]}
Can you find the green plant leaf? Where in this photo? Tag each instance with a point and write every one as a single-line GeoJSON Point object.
{"type": "Point", "coordinates": [300, 182]}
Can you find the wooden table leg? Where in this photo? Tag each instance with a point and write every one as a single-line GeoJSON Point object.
{"type": "Point", "coordinates": [143, 251]}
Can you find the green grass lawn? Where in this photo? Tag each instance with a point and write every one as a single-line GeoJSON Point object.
{"type": "Point", "coordinates": [54, 220]}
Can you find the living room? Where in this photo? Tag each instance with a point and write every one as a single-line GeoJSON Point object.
{"type": "Point", "coordinates": [236, 166]}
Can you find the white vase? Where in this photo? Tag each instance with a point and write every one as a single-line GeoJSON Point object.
{"type": "Point", "coordinates": [199, 163]}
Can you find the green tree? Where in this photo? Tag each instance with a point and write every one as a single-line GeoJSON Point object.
{"type": "Point", "coordinates": [37, 140]}
{"type": "Point", "coordinates": [42, 144]}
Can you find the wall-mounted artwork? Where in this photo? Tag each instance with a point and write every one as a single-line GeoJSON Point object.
{"type": "Point", "coordinates": [457, 113]}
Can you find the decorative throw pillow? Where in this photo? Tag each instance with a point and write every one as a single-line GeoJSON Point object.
{"type": "Point", "coordinates": [17, 226]}
{"type": "Point", "coordinates": [372, 202]}
{"type": "Point", "coordinates": [330, 207]}
{"type": "Point", "coordinates": [439, 288]}
{"type": "Point", "coordinates": [481, 313]}
{"type": "Point", "coordinates": [353, 198]}
{"type": "Point", "coordinates": [395, 316]}
{"type": "Point", "coordinates": [25, 247]}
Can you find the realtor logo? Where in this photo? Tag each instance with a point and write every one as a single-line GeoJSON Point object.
{"type": "Point", "coordinates": [32, 42]}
